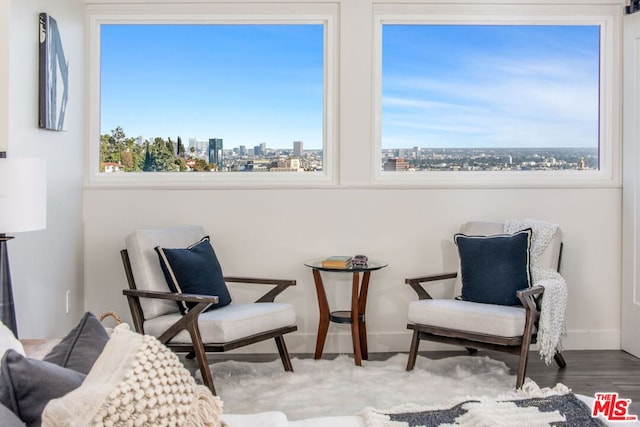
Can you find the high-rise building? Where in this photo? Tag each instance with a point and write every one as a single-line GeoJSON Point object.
{"type": "Point", "coordinates": [215, 151]}
{"type": "Point", "coordinates": [297, 148]}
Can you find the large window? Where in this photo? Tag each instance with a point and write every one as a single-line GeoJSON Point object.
{"type": "Point", "coordinates": [490, 97]}
{"type": "Point", "coordinates": [230, 94]}
{"type": "Point", "coordinates": [496, 95]}
{"type": "Point", "coordinates": [219, 98]}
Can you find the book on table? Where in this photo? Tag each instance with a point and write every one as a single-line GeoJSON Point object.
{"type": "Point", "coordinates": [337, 262]}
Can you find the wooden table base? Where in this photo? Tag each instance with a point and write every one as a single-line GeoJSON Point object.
{"type": "Point", "coordinates": [356, 315]}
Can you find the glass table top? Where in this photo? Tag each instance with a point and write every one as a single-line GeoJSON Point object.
{"type": "Point", "coordinates": [371, 265]}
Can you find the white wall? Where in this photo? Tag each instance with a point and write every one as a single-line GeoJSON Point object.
{"type": "Point", "coordinates": [5, 31]}
{"type": "Point", "coordinates": [45, 264]}
{"type": "Point", "coordinates": [262, 233]}
{"type": "Point", "coordinates": [270, 232]}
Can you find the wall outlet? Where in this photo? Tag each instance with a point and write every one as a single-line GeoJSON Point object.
{"type": "Point", "coordinates": [67, 301]}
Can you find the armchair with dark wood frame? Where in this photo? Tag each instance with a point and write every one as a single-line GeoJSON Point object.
{"type": "Point", "coordinates": [192, 321]}
{"type": "Point", "coordinates": [473, 340]}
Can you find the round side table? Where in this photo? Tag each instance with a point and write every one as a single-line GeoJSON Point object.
{"type": "Point", "coordinates": [355, 316]}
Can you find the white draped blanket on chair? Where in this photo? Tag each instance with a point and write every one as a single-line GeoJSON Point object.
{"type": "Point", "coordinates": [552, 326]}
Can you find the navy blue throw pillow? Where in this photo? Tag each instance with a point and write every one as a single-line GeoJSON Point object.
{"type": "Point", "coordinates": [194, 270]}
{"type": "Point", "coordinates": [493, 268]}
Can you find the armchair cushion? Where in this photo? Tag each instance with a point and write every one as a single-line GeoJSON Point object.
{"type": "Point", "coordinates": [493, 268]}
{"type": "Point", "coordinates": [229, 323]}
{"type": "Point", "coordinates": [194, 270]}
{"type": "Point", "coordinates": [491, 319]}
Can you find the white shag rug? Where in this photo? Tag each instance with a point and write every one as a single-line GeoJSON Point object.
{"type": "Point", "coordinates": [338, 387]}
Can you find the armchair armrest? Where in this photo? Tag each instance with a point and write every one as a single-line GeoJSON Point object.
{"type": "Point", "coordinates": [186, 322]}
{"type": "Point", "coordinates": [280, 285]}
{"type": "Point", "coordinates": [172, 296]}
{"type": "Point", "coordinates": [415, 282]}
{"type": "Point", "coordinates": [527, 296]}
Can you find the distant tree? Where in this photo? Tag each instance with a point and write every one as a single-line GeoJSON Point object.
{"type": "Point", "coordinates": [118, 135]}
{"type": "Point", "coordinates": [156, 156]}
{"type": "Point", "coordinates": [181, 164]}
{"type": "Point", "coordinates": [147, 166]}
{"type": "Point", "coordinates": [201, 166]}
{"type": "Point", "coordinates": [137, 154]}
{"type": "Point", "coordinates": [161, 158]}
{"type": "Point", "coordinates": [126, 158]}
{"type": "Point", "coordinates": [111, 146]}
{"type": "Point", "coordinates": [181, 150]}
{"type": "Point", "coordinates": [105, 150]}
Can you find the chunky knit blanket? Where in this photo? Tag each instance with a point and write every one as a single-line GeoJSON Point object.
{"type": "Point", "coordinates": [136, 381]}
{"type": "Point", "coordinates": [552, 326]}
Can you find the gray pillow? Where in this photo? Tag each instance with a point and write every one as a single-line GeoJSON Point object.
{"type": "Point", "coordinates": [9, 419]}
{"type": "Point", "coordinates": [82, 346]}
{"type": "Point", "coordinates": [27, 385]}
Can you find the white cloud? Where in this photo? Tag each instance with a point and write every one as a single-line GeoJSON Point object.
{"type": "Point", "coordinates": [498, 103]}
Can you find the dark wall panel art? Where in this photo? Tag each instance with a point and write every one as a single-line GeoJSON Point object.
{"type": "Point", "coordinates": [53, 75]}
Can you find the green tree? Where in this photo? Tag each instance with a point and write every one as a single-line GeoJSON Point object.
{"type": "Point", "coordinates": [201, 166]}
{"type": "Point", "coordinates": [181, 163]}
{"type": "Point", "coordinates": [159, 158]}
{"type": "Point", "coordinates": [181, 150]}
{"type": "Point", "coordinates": [148, 163]}
{"type": "Point", "coordinates": [112, 146]}
{"type": "Point", "coordinates": [137, 154]}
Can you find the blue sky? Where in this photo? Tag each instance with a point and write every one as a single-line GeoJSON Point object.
{"type": "Point", "coordinates": [246, 84]}
{"type": "Point", "coordinates": [443, 85]}
{"type": "Point", "coordinates": [491, 86]}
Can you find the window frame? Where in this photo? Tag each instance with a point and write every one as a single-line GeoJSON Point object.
{"type": "Point", "coordinates": [324, 14]}
{"type": "Point", "coordinates": [608, 18]}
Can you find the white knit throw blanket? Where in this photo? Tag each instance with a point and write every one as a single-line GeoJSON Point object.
{"type": "Point", "coordinates": [552, 326]}
{"type": "Point", "coordinates": [136, 381]}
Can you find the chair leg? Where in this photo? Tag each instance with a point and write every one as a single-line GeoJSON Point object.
{"type": "Point", "coordinates": [413, 350]}
{"type": "Point", "coordinates": [524, 358]}
{"type": "Point", "coordinates": [559, 358]}
{"type": "Point", "coordinates": [201, 356]}
{"type": "Point", "coordinates": [284, 354]}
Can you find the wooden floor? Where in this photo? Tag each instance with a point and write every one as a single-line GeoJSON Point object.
{"type": "Point", "coordinates": [587, 371]}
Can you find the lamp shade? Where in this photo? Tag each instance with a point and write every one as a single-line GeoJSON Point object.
{"type": "Point", "coordinates": [23, 194]}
